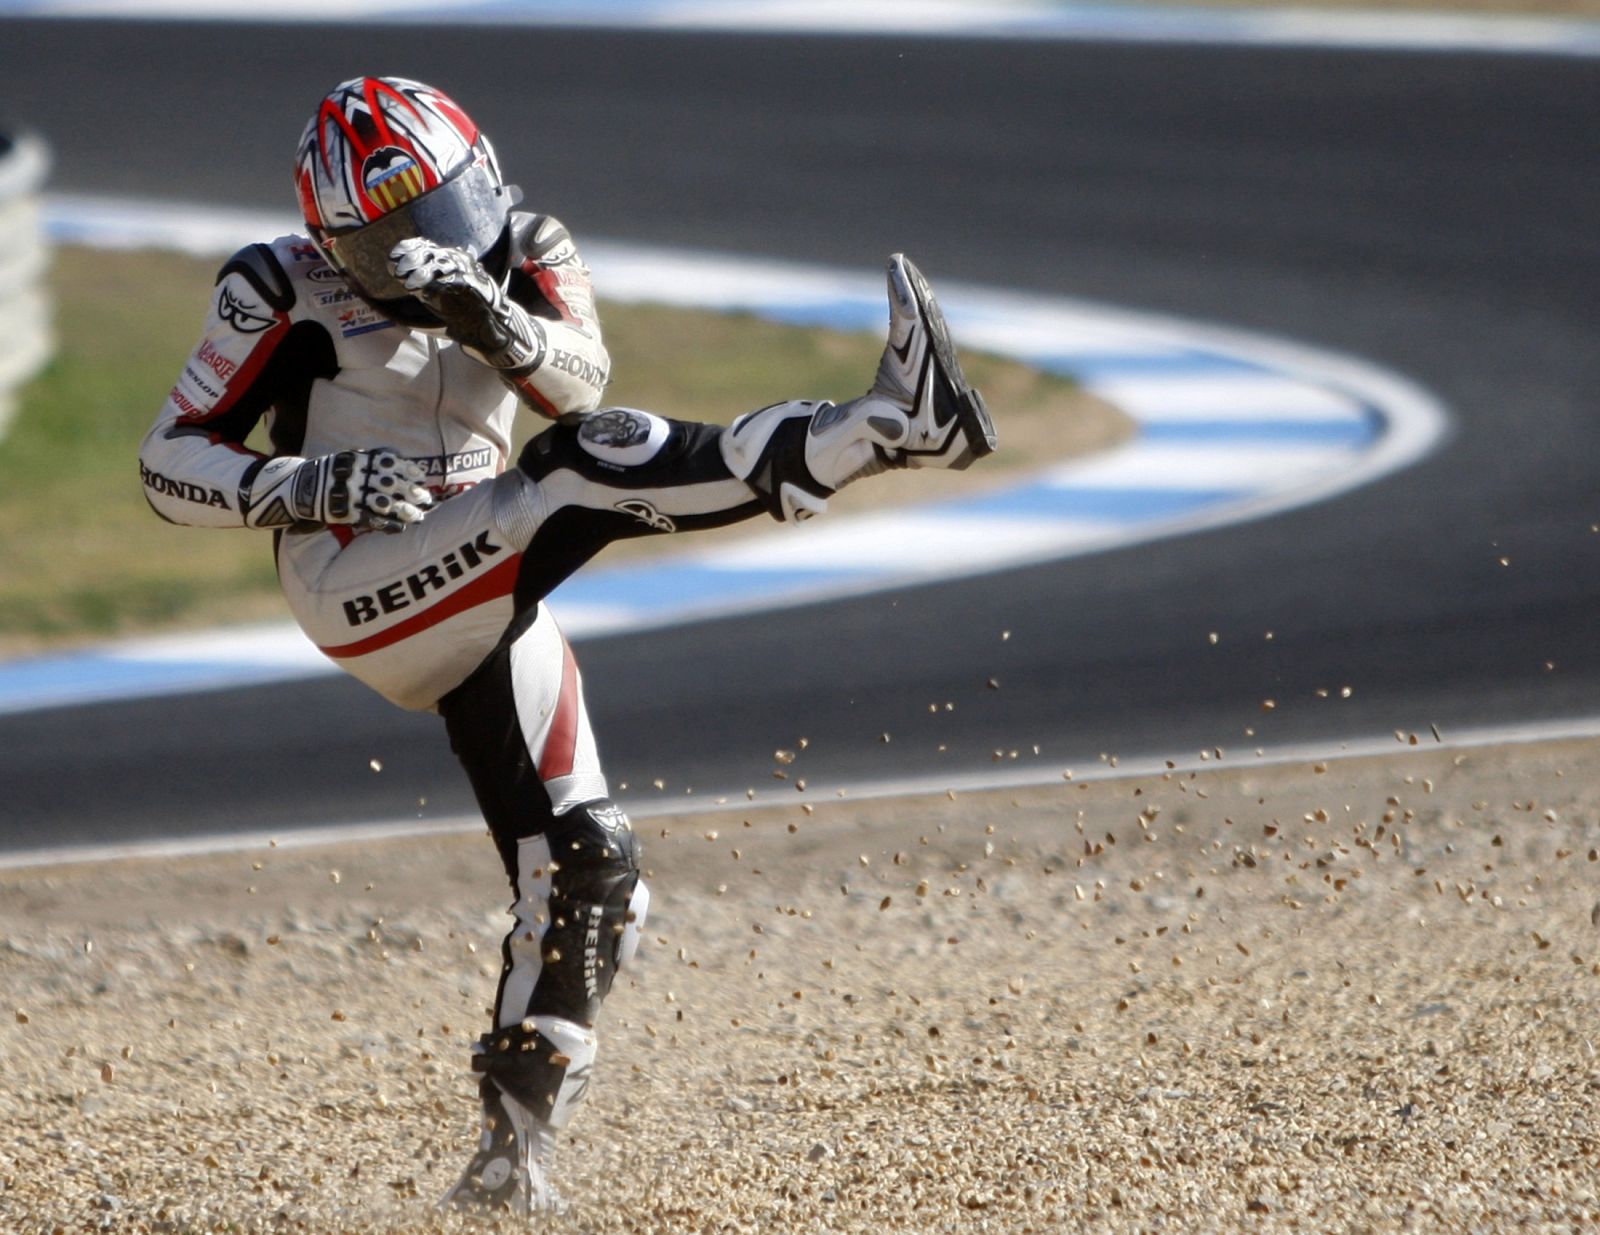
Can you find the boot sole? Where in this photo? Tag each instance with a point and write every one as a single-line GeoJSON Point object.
{"type": "Point", "coordinates": [955, 392]}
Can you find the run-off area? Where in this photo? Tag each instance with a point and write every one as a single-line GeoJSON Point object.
{"type": "Point", "coordinates": [1348, 995]}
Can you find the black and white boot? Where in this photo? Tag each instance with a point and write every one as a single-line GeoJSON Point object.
{"type": "Point", "coordinates": [921, 375]}
{"type": "Point", "coordinates": [919, 412]}
{"type": "Point", "coordinates": [510, 1170]}
{"type": "Point", "coordinates": [532, 1079]}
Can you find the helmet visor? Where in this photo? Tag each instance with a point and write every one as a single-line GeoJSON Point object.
{"type": "Point", "coordinates": [467, 212]}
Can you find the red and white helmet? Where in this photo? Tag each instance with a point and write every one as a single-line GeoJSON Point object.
{"type": "Point", "coordinates": [386, 159]}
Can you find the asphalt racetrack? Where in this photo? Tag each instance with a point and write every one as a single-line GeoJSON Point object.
{"type": "Point", "coordinates": [1433, 213]}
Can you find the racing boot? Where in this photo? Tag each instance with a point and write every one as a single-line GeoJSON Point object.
{"type": "Point", "coordinates": [510, 1170]}
{"type": "Point", "coordinates": [919, 412]}
{"type": "Point", "coordinates": [920, 374]}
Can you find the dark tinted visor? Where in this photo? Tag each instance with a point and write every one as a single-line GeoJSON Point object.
{"type": "Point", "coordinates": [468, 212]}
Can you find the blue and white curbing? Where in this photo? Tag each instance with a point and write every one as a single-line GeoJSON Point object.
{"type": "Point", "coordinates": [1288, 25]}
{"type": "Point", "coordinates": [1229, 426]}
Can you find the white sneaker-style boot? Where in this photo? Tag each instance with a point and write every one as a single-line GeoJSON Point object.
{"type": "Point", "coordinates": [919, 412]}
{"type": "Point", "coordinates": [509, 1171]}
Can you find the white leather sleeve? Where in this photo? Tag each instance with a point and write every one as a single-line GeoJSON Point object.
{"type": "Point", "coordinates": [193, 462]}
{"type": "Point", "coordinates": [572, 374]}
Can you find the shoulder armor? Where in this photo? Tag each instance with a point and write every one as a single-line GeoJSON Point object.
{"type": "Point", "coordinates": [265, 273]}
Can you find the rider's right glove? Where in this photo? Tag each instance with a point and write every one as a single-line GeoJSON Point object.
{"type": "Point", "coordinates": [378, 488]}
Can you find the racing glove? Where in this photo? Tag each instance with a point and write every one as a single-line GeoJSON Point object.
{"type": "Point", "coordinates": [473, 307]}
{"type": "Point", "coordinates": [377, 488]}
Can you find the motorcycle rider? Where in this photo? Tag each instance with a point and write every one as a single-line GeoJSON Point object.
{"type": "Point", "coordinates": [385, 353]}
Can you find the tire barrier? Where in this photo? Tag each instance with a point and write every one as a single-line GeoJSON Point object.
{"type": "Point", "coordinates": [26, 338]}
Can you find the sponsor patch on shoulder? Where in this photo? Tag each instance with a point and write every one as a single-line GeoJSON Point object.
{"type": "Point", "coordinates": [333, 295]}
{"type": "Point", "coordinates": [237, 307]}
{"type": "Point", "coordinates": [361, 319]}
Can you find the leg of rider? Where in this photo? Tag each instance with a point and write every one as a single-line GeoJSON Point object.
{"type": "Point", "coordinates": [521, 730]}
{"type": "Point", "coordinates": [621, 472]}
{"type": "Point", "coordinates": [519, 725]}
{"type": "Point", "coordinates": [625, 473]}
{"type": "Point", "coordinates": [617, 474]}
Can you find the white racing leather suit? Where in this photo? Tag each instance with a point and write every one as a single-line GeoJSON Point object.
{"type": "Point", "coordinates": [289, 345]}
{"type": "Point", "coordinates": [448, 613]}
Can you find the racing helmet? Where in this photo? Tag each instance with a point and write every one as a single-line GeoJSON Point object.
{"type": "Point", "coordinates": [386, 159]}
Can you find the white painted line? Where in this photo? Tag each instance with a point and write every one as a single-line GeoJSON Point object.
{"type": "Point", "coordinates": [903, 543]}
{"type": "Point", "coordinates": [269, 643]}
{"type": "Point", "coordinates": [1266, 396]}
{"type": "Point", "coordinates": [307, 836]}
{"type": "Point", "coordinates": [1188, 466]}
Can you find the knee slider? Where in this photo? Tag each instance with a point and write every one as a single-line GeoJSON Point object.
{"type": "Point", "coordinates": [767, 450]}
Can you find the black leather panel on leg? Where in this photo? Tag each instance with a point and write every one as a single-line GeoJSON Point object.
{"type": "Point", "coordinates": [480, 716]}
{"type": "Point", "coordinates": [594, 858]}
